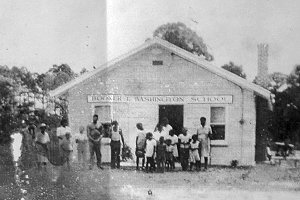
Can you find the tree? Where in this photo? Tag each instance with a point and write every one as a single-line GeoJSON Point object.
{"type": "Point", "coordinates": [7, 103]}
{"type": "Point", "coordinates": [53, 78]}
{"type": "Point", "coordinates": [65, 68]}
{"type": "Point", "coordinates": [83, 70]}
{"type": "Point", "coordinates": [182, 36]}
{"type": "Point", "coordinates": [277, 80]}
{"type": "Point", "coordinates": [236, 69]}
{"type": "Point", "coordinates": [287, 108]}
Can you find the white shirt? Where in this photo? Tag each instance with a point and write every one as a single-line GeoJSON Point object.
{"type": "Point", "coordinates": [174, 139]}
{"type": "Point", "coordinates": [203, 132]}
{"type": "Point", "coordinates": [195, 145]}
{"type": "Point", "coordinates": [166, 130]}
{"type": "Point", "coordinates": [115, 135]}
{"type": "Point", "coordinates": [42, 138]}
{"type": "Point", "coordinates": [269, 151]}
{"type": "Point", "coordinates": [61, 131]}
{"type": "Point", "coordinates": [150, 145]}
{"type": "Point", "coordinates": [184, 139]}
{"type": "Point", "coordinates": [156, 135]}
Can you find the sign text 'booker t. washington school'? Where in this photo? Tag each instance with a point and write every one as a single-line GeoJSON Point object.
{"type": "Point", "coordinates": [160, 99]}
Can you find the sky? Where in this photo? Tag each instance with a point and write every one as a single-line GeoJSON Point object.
{"type": "Point", "coordinates": [87, 33]}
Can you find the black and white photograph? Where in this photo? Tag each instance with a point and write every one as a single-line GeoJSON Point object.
{"type": "Point", "coordinates": [149, 100]}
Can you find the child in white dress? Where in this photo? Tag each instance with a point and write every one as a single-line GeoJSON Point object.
{"type": "Point", "coordinates": [195, 158]}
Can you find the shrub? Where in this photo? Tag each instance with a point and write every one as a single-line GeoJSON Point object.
{"type": "Point", "coordinates": [234, 163]}
{"type": "Point", "coordinates": [126, 153]}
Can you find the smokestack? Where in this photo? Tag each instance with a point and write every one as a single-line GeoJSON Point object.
{"type": "Point", "coordinates": [262, 77]}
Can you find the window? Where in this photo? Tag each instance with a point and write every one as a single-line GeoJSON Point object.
{"type": "Point", "coordinates": [104, 113]}
{"type": "Point", "coordinates": [157, 62]}
{"type": "Point", "coordinates": [217, 122]}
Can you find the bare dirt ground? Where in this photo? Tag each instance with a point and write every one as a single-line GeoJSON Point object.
{"type": "Point", "coordinates": [261, 182]}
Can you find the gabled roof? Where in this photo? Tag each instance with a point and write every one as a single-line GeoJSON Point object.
{"type": "Point", "coordinates": [176, 50]}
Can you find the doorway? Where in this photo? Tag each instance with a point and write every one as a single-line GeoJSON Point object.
{"type": "Point", "coordinates": [174, 113]}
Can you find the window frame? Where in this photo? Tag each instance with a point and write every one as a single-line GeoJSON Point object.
{"type": "Point", "coordinates": [103, 105]}
{"type": "Point", "coordinates": [220, 142]}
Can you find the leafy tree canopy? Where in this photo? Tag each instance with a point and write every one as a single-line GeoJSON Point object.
{"type": "Point", "coordinates": [55, 77]}
{"type": "Point", "coordinates": [21, 77]}
{"type": "Point", "coordinates": [182, 36]}
{"type": "Point", "coordinates": [236, 69]}
{"type": "Point", "coordinates": [277, 79]}
{"type": "Point", "coordinates": [83, 70]}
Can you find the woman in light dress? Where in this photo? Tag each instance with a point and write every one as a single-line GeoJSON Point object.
{"type": "Point", "coordinates": [81, 140]}
{"type": "Point", "coordinates": [204, 134]}
{"type": "Point", "coordinates": [105, 142]}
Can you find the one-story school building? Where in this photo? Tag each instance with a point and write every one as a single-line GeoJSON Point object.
{"type": "Point", "coordinates": [159, 79]}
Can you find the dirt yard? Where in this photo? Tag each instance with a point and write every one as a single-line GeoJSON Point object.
{"type": "Point", "coordinates": [261, 182]}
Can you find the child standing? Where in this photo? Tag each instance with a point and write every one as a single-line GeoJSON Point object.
{"type": "Point", "coordinates": [150, 150]}
{"type": "Point", "coordinates": [67, 149]}
{"type": "Point", "coordinates": [140, 145]}
{"type": "Point", "coordinates": [268, 151]}
{"type": "Point", "coordinates": [184, 141]}
{"type": "Point", "coordinates": [174, 142]}
{"type": "Point", "coordinates": [161, 155]}
{"type": "Point", "coordinates": [195, 158]}
{"type": "Point", "coordinates": [82, 141]}
{"type": "Point", "coordinates": [169, 155]}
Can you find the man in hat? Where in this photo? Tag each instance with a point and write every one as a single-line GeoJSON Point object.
{"type": "Point", "coordinates": [42, 141]}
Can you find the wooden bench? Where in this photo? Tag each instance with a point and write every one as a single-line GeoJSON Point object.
{"type": "Point", "coordinates": [280, 158]}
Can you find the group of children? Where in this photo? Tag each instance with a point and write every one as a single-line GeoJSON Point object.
{"type": "Point", "coordinates": [162, 153]}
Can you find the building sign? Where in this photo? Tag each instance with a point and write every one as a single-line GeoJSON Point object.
{"type": "Point", "coordinates": [113, 98]}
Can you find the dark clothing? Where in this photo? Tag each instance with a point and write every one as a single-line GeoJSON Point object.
{"type": "Point", "coordinates": [95, 149]}
{"type": "Point", "coordinates": [170, 161]}
{"type": "Point", "coordinates": [115, 147]}
{"type": "Point", "coordinates": [184, 158]}
{"type": "Point", "coordinates": [150, 160]}
{"type": "Point", "coordinates": [161, 152]}
{"type": "Point", "coordinates": [161, 157]}
{"type": "Point", "coordinates": [205, 162]}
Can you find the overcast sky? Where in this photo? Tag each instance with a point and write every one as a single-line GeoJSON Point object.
{"type": "Point", "coordinates": [84, 33]}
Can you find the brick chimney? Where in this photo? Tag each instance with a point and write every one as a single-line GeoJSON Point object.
{"type": "Point", "coordinates": [262, 77]}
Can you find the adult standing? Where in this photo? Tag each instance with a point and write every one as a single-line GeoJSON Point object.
{"type": "Point", "coordinates": [140, 145]}
{"type": "Point", "coordinates": [166, 127]}
{"type": "Point", "coordinates": [42, 141]}
{"type": "Point", "coordinates": [82, 141]}
{"type": "Point", "coordinates": [204, 135]}
{"type": "Point", "coordinates": [94, 134]}
{"type": "Point", "coordinates": [32, 123]}
{"type": "Point", "coordinates": [28, 157]}
{"type": "Point", "coordinates": [162, 129]}
{"type": "Point", "coordinates": [115, 144]}
{"type": "Point", "coordinates": [61, 132]}
{"type": "Point", "coordinates": [105, 143]}
{"type": "Point", "coordinates": [63, 129]}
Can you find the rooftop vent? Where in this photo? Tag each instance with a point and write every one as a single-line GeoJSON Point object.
{"type": "Point", "coordinates": [157, 62]}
